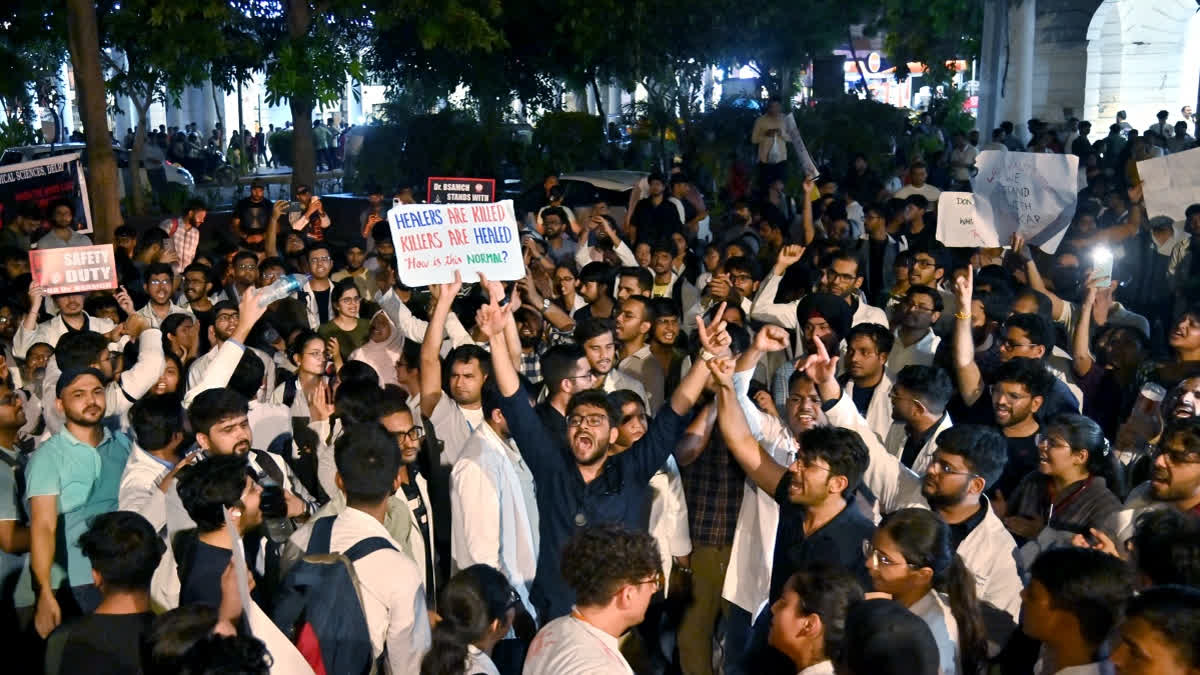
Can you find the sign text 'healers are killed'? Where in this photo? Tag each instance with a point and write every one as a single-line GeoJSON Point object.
{"type": "Point", "coordinates": [434, 240]}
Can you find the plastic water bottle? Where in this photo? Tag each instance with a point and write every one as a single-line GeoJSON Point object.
{"type": "Point", "coordinates": [283, 287]}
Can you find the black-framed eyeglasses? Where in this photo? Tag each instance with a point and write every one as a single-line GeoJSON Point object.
{"type": "Point", "coordinates": [592, 421]}
{"type": "Point", "coordinates": [1173, 456]}
{"type": "Point", "coordinates": [414, 434]}
{"type": "Point", "coordinates": [944, 468]}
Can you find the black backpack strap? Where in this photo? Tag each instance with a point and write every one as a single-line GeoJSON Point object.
{"type": "Point", "coordinates": [318, 542]}
{"type": "Point", "coordinates": [366, 547]}
{"type": "Point", "coordinates": [289, 392]}
{"type": "Point", "coordinates": [269, 466]}
{"type": "Point", "coordinates": [56, 645]}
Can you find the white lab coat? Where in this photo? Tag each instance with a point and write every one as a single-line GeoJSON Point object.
{"type": "Point", "coordinates": [669, 517]}
{"type": "Point", "coordinates": [879, 410]}
{"type": "Point", "coordinates": [494, 521]}
{"type": "Point", "coordinates": [989, 551]}
{"type": "Point", "coordinates": [898, 435]}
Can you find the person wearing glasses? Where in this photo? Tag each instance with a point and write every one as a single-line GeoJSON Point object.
{"type": "Point", "coordinates": [1074, 488]}
{"type": "Point", "coordinates": [613, 573]}
{"type": "Point", "coordinates": [493, 504]}
{"type": "Point", "coordinates": [911, 559]}
{"type": "Point", "coordinates": [916, 342]}
{"type": "Point", "coordinates": [578, 482]}
{"type": "Point", "coordinates": [346, 331]}
{"type": "Point", "coordinates": [1174, 483]}
{"type": "Point", "coordinates": [317, 292]}
{"type": "Point", "coordinates": [919, 399]}
{"type": "Point", "coordinates": [160, 287]}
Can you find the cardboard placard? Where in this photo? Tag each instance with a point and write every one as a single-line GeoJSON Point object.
{"type": "Point", "coordinates": [1171, 184]}
{"type": "Point", "coordinates": [74, 269]}
{"type": "Point", "coordinates": [442, 190]}
{"type": "Point", "coordinates": [1027, 192]}
{"type": "Point", "coordinates": [434, 240]}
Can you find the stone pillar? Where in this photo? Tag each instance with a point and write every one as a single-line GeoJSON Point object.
{"type": "Point", "coordinates": [991, 66]}
{"type": "Point", "coordinates": [1022, 34]}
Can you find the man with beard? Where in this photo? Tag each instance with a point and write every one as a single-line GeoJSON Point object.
{"type": "Point", "coordinates": [665, 344]}
{"type": "Point", "coordinates": [844, 278]}
{"type": "Point", "coordinates": [227, 324]}
{"type": "Point", "coordinates": [820, 317]}
{"type": "Point", "coordinates": [63, 230]}
{"type": "Point", "coordinates": [183, 234]}
{"type": "Point", "coordinates": [566, 372]}
{"type": "Point", "coordinates": [657, 216]}
{"type": "Point", "coordinates": [160, 287]}
{"type": "Point", "coordinates": [1174, 481]}
{"type": "Point", "coordinates": [595, 286]}
{"type": "Point", "coordinates": [73, 476]}
{"type": "Point", "coordinates": [867, 348]}
{"type": "Point", "coordinates": [251, 216]}
{"type": "Point", "coordinates": [245, 275]}
{"type": "Point", "coordinates": [197, 284]}
{"type": "Point", "coordinates": [560, 244]}
{"type": "Point", "coordinates": [494, 504]}
{"type": "Point", "coordinates": [814, 400]}
{"type": "Point", "coordinates": [311, 220]}
{"type": "Point", "coordinates": [70, 318]}
{"type": "Point", "coordinates": [969, 459]}
{"type": "Point", "coordinates": [668, 282]}
{"type": "Point", "coordinates": [916, 343]}
{"type": "Point", "coordinates": [634, 281]}
{"type": "Point", "coordinates": [928, 268]}
{"type": "Point", "coordinates": [578, 483]}
{"type": "Point", "coordinates": [14, 514]}
{"type": "Point", "coordinates": [633, 326]}
{"type": "Point", "coordinates": [1019, 392]}
{"type": "Point", "coordinates": [919, 399]}
{"type": "Point", "coordinates": [1183, 402]}
{"type": "Point", "coordinates": [596, 338]}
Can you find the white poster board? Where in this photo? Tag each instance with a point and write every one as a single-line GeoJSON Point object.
{"type": "Point", "coordinates": [432, 241]}
{"type": "Point", "coordinates": [1031, 193]}
{"type": "Point", "coordinates": [961, 223]}
{"type": "Point", "coordinates": [1170, 184]}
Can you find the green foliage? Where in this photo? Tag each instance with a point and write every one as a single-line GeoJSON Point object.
{"type": "Point", "coordinates": [280, 143]}
{"type": "Point", "coordinates": [948, 113]}
{"type": "Point", "coordinates": [173, 198]}
{"type": "Point", "coordinates": [717, 138]}
{"type": "Point", "coordinates": [931, 32]}
{"type": "Point", "coordinates": [567, 141]}
{"type": "Point", "coordinates": [16, 132]}
{"type": "Point", "coordinates": [834, 130]}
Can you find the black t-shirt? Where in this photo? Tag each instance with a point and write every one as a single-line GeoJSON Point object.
{"type": "Point", "coordinates": [838, 542]}
{"type": "Point", "coordinates": [960, 531]}
{"type": "Point", "coordinates": [862, 398]}
{"type": "Point", "coordinates": [254, 216]}
{"type": "Point", "coordinates": [203, 583]}
{"type": "Point", "coordinates": [102, 644]}
{"type": "Point", "coordinates": [322, 298]}
{"type": "Point", "coordinates": [1022, 459]}
{"type": "Point", "coordinates": [205, 320]}
{"type": "Point", "coordinates": [554, 421]}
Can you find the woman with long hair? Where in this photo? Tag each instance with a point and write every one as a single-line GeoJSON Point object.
{"type": "Point", "coordinates": [1074, 488]}
{"type": "Point", "coordinates": [307, 351]}
{"type": "Point", "coordinates": [910, 558]}
{"type": "Point", "coordinates": [477, 608]}
{"type": "Point", "coordinates": [346, 330]}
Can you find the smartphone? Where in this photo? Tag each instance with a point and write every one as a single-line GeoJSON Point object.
{"type": "Point", "coordinates": [1102, 264]}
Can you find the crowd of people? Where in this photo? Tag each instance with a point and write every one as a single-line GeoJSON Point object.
{"type": "Point", "coordinates": [803, 436]}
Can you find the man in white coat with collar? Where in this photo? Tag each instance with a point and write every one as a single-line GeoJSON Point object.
{"type": "Point", "coordinates": [866, 380]}
{"type": "Point", "coordinates": [919, 398]}
{"type": "Point", "coordinates": [493, 505]}
{"type": "Point", "coordinates": [968, 459]}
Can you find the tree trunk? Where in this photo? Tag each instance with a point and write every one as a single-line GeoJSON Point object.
{"type": "Point", "coordinates": [862, 72]}
{"type": "Point", "coordinates": [244, 163]}
{"type": "Point", "coordinates": [599, 103]}
{"type": "Point", "coordinates": [220, 113]}
{"type": "Point", "coordinates": [137, 157]}
{"type": "Point", "coordinates": [304, 154]}
{"type": "Point", "coordinates": [84, 43]}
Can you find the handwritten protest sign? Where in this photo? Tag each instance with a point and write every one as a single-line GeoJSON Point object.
{"type": "Point", "coordinates": [453, 190]}
{"type": "Point", "coordinates": [434, 240]}
{"type": "Point", "coordinates": [43, 182]}
{"type": "Point", "coordinates": [962, 223]}
{"type": "Point", "coordinates": [1170, 184]}
{"type": "Point", "coordinates": [1031, 193]}
{"type": "Point", "coordinates": [76, 269]}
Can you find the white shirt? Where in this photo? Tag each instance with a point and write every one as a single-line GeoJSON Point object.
{"type": "Point", "coordinates": [669, 516]}
{"type": "Point", "coordinates": [393, 595]}
{"type": "Point", "coordinates": [934, 610]}
{"type": "Point", "coordinates": [267, 422]}
{"type": "Point", "coordinates": [453, 425]}
{"type": "Point", "coordinates": [571, 646]}
{"type": "Point", "coordinates": [866, 313]}
{"type": "Point", "coordinates": [617, 380]}
{"type": "Point", "coordinates": [493, 511]}
{"type": "Point", "coordinates": [927, 191]}
{"type": "Point", "coordinates": [199, 369]}
{"type": "Point", "coordinates": [49, 331]}
{"type": "Point", "coordinates": [879, 410]}
{"type": "Point", "coordinates": [120, 394]}
{"type": "Point", "coordinates": [147, 311]}
{"type": "Point", "coordinates": [479, 663]}
{"type": "Point", "coordinates": [139, 490]}
{"type": "Point", "coordinates": [822, 668]}
{"type": "Point", "coordinates": [897, 437]}
{"type": "Point", "coordinates": [920, 352]}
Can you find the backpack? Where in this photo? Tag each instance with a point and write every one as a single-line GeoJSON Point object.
{"type": "Point", "coordinates": [319, 606]}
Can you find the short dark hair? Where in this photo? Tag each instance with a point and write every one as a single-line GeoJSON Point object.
{"type": "Point", "coordinates": [392, 400]}
{"type": "Point", "coordinates": [595, 398]}
{"type": "Point", "coordinates": [124, 548]}
{"type": "Point", "coordinates": [248, 377]}
{"type": "Point", "coordinates": [619, 398]}
{"type": "Point", "coordinates": [1166, 547]}
{"type": "Point", "coordinates": [746, 264]}
{"type": "Point", "coordinates": [1037, 327]}
{"type": "Point", "coordinates": [367, 459]}
{"type": "Point", "coordinates": [557, 362]}
{"type": "Point", "coordinates": [1174, 612]}
{"type": "Point", "coordinates": [828, 591]}
{"type": "Point", "coordinates": [171, 324]}
{"type": "Point", "coordinates": [154, 269]}
{"type": "Point", "coordinates": [590, 328]}
{"type": "Point", "coordinates": [665, 307]}
{"type": "Point", "coordinates": [243, 255]}
{"type": "Point", "coordinates": [215, 405]}
{"type": "Point", "coordinates": [155, 421]}
{"type": "Point", "coordinates": [883, 638]}
{"type": "Point", "coordinates": [598, 560]}
{"type": "Point", "coordinates": [77, 350]}
{"type": "Point", "coordinates": [919, 201]}
{"type": "Point", "coordinates": [317, 246]}
{"type": "Point", "coordinates": [644, 277]}
{"type": "Point", "coordinates": [880, 335]}
{"type": "Point", "coordinates": [195, 204]}
{"type": "Point", "coordinates": [928, 384]}
{"type": "Point", "coordinates": [466, 354]}
{"type": "Point", "coordinates": [1029, 372]}
{"type": "Point", "coordinates": [936, 298]}
{"type": "Point", "coordinates": [843, 449]}
{"type": "Point", "coordinates": [1091, 585]}
{"type": "Point", "coordinates": [982, 448]}
{"type": "Point", "coordinates": [207, 487]}
{"type": "Point", "coordinates": [556, 210]}
{"type": "Point", "coordinates": [62, 202]}
{"type": "Point", "coordinates": [934, 250]}
{"type": "Point", "coordinates": [244, 654]}
{"type": "Point", "coordinates": [599, 272]}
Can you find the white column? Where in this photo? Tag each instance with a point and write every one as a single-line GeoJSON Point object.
{"type": "Point", "coordinates": [1022, 33]}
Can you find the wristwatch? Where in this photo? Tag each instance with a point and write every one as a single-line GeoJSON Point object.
{"type": "Point", "coordinates": [545, 305]}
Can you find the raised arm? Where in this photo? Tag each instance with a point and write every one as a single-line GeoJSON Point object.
{"type": "Point", "coordinates": [1081, 348]}
{"type": "Point", "coordinates": [696, 437]}
{"type": "Point", "coordinates": [494, 320]}
{"type": "Point", "coordinates": [765, 308]}
{"type": "Point", "coordinates": [806, 210]}
{"type": "Point", "coordinates": [1035, 275]}
{"type": "Point", "coordinates": [272, 236]}
{"type": "Point", "coordinates": [758, 465]}
{"type": "Point", "coordinates": [431, 358]}
{"type": "Point", "coordinates": [966, 371]}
